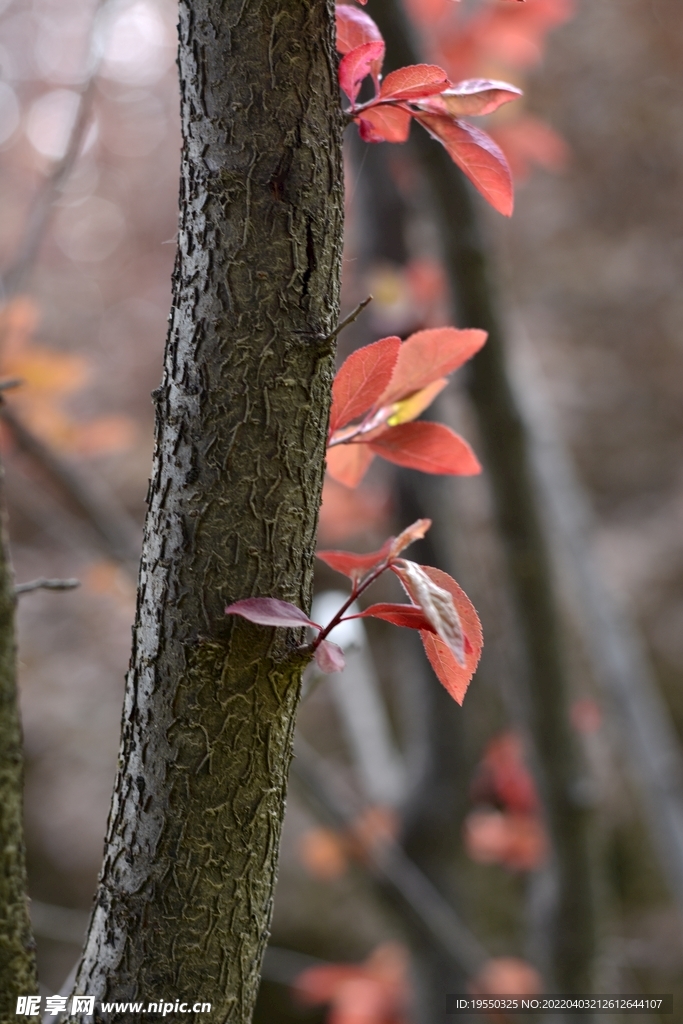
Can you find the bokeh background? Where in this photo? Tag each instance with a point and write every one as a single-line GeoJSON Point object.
{"type": "Point", "coordinates": [589, 273]}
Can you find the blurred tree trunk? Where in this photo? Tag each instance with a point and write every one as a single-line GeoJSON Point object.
{"type": "Point", "coordinates": [17, 948]}
{"type": "Point", "coordinates": [518, 513]}
{"type": "Point", "coordinates": [185, 893]}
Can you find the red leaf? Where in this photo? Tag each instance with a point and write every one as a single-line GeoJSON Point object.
{"type": "Point", "coordinates": [329, 657]}
{"type": "Point", "coordinates": [269, 611]}
{"type": "Point", "coordinates": [357, 64]}
{"type": "Point", "coordinates": [436, 603]}
{"type": "Point", "coordinates": [352, 565]}
{"type": "Point", "coordinates": [400, 614]}
{"type": "Point", "coordinates": [384, 124]}
{"type": "Point", "coordinates": [453, 676]}
{"type": "Point", "coordinates": [414, 82]}
{"type": "Point", "coordinates": [348, 463]}
{"type": "Point", "coordinates": [361, 380]}
{"type": "Point", "coordinates": [477, 155]}
{"type": "Point", "coordinates": [427, 355]}
{"type": "Point", "coordinates": [472, 97]}
{"type": "Point", "coordinates": [429, 447]}
{"type": "Point", "coordinates": [354, 28]}
{"type": "Point", "coordinates": [415, 531]}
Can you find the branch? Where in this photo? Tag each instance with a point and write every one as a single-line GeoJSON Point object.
{"type": "Point", "coordinates": [117, 532]}
{"type": "Point", "coordinates": [44, 584]}
{"type": "Point", "coordinates": [39, 215]}
{"type": "Point", "coordinates": [646, 734]}
{"type": "Point", "coordinates": [389, 865]}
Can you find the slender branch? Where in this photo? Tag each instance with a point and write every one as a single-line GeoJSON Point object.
{"type": "Point", "coordinates": [389, 865]}
{"type": "Point", "coordinates": [646, 735]}
{"type": "Point", "coordinates": [349, 319]}
{"type": "Point", "coordinates": [356, 591]}
{"type": "Point", "coordinates": [12, 382]}
{"type": "Point", "coordinates": [40, 213]}
{"type": "Point", "coordinates": [44, 584]}
{"type": "Point", "coordinates": [116, 530]}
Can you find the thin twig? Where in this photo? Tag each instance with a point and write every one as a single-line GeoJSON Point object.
{"type": "Point", "coordinates": [116, 530]}
{"type": "Point", "coordinates": [39, 215]}
{"type": "Point", "coordinates": [44, 584]}
{"type": "Point", "coordinates": [350, 318]}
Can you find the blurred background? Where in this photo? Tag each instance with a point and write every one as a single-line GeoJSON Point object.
{"type": "Point", "coordinates": [587, 279]}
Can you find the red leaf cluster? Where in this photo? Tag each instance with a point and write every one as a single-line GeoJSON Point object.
{"type": "Point", "coordinates": [425, 93]}
{"type": "Point", "coordinates": [445, 617]}
{"type": "Point", "coordinates": [385, 386]}
{"type": "Point", "coordinates": [374, 992]}
{"type": "Point", "coordinates": [506, 828]}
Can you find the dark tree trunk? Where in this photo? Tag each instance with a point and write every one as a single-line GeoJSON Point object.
{"type": "Point", "coordinates": [17, 948]}
{"type": "Point", "coordinates": [185, 893]}
{"type": "Point", "coordinates": [518, 513]}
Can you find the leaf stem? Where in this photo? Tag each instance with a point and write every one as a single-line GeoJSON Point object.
{"type": "Point", "coordinates": [356, 591]}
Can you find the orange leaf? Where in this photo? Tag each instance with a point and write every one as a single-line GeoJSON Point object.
{"type": "Point", "coordinates": [428, 355]}
{"type": "Point", "coordinates": [429, 447]}
{"type": "Point", "coordinates": [454, 677]}
{"type": "Point", "coordinates": [477, 155]}
{"type": "Point", "coordinates": [361, 380]}
{"type": "Point", "coordinates": [414, 82]}
{"type": "Point", "coordinates": [348, 463]}
{"type": "Point", "coordinates": [384, 124]}
{"type": "Point", "coordinates": [322, 853]}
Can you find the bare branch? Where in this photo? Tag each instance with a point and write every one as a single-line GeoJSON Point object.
{"type": "Point", "coordinates": [40, 213]}
{"type": "Point", "coordinates": [389, 864]}
{"type": "Point", "coordinates": [44, 584]}
{"type": "Point", "coordinates": [349, 319]}
{"type": "Point", "coordinates": [116, 530]}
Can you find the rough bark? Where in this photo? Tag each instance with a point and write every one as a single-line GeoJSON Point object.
{"type": "Point", "coordinates": [185, 893]}
{"type": "Point", "coordinates": [17, 947]}
{"type": "Point", "coordinates": [508, 464]}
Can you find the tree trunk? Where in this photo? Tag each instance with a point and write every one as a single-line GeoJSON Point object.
{"type": "Point", "coordinates": [186, 889]}
{"type": "Point", "coordinates": [17, 948]}
{"type": "Point", "coordinates": [518, 513]}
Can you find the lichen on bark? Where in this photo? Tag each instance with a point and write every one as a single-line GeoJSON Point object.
{"type": "Point", "coordinates": [184, 899]}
